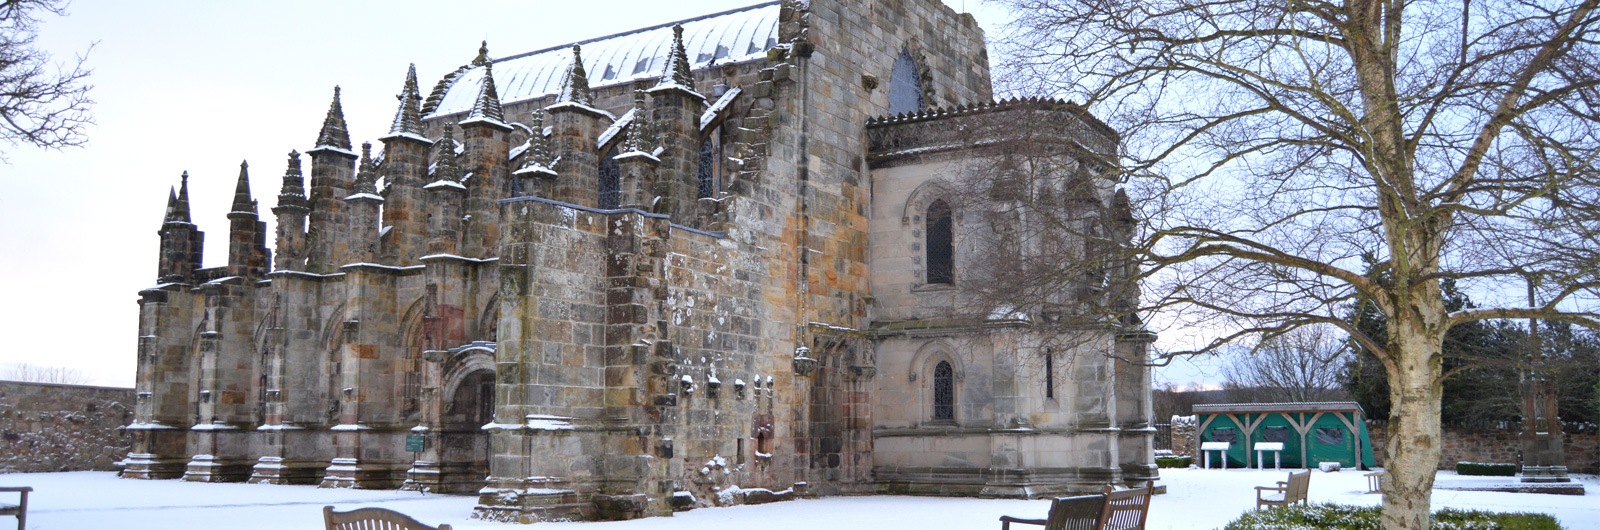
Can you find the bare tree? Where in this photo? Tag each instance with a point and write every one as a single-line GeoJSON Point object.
{"type": "Point", "coordinates": [1270, 146]}
{"type": "Point", "coordinates": [41, 103]}
{"type": "Point", "coordinates": [1304, 365]}
{"type": "Point", "coordinates": [32, 373]}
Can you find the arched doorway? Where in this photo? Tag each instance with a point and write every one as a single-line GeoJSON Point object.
{"type": "Point", "coordinates": [463, 444]}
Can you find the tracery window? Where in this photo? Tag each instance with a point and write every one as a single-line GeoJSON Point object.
{"type": "Point", "coordinates": [940, 243]}
{"type": "Point", "coordinates": [944, 392]}
{"type": "Point", "coordinates": [708, 167]}
{"type": "Point", "coordinates": [905, 85]}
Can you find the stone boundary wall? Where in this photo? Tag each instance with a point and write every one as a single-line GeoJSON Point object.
{"type": "Point", "coordinates": [1498, 446]}
{"type": "Point", "coordinates": [51, 427]}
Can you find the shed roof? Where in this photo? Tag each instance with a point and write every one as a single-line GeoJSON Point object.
{"type": "Point", "coordinates": [731, 36]}
{"type": "Point", "coordinates": [1319, 406]}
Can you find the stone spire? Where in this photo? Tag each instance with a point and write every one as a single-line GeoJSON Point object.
{"type": "Point", "coordinates": [637, 139]}
{"type": "Point", "coordinates": [575, 85]}
{"type": "Point", "coordinates": [367, 174]}
{"type": "Point", "coordinates": [677, 69]}
{"type": "Point", "coordinates": [171, 215]}
{"type": "Point", "coordinates": [334, 133]}
{"type": "Point", "coordinates": [242, 203]}
{"type": "Point", "coordinates": [294, 183]}
{"type": "Point", "coordinates": [247, 235]}
{"type": "Point", "coordinates": [538, 143]}
{"type": "Point", "coordinates": [408, 120]}
{"type": "Point", "coordinates": [537, 161]}
{"type": "Point", "coordinates": [487, 106]}
{"type": "Point", "coordinates": [445, 168]}
{"type": "Point", "coordinates": [483, 55]}
{"type": "Point", "coordinates": [180, 211]}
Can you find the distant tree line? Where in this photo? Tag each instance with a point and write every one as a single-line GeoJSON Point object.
{"type": "Point", "coordinates": [1484, 364]}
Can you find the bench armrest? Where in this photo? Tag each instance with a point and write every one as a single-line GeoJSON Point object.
{"type": "Point", "coordinates": [1271, 488]}
{"type": "Point", "coordinates": [1006, 520]}
{"type": "Point", "coordinates": [15, 489]}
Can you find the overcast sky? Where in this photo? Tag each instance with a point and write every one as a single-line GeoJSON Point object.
{"type": "Point", "coordinates": [200, 86]}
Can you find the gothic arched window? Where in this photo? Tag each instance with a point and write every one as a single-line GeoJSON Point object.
{"type": "Point", "coordinates": [905, 85]}
{"type": "Point", "coordinates": [939, 240]}
{"type": "Point", "coordinates": [610, 180]}
{"type": "Point", "coordinates": [944, 391]}
{"type": "Point", "coordinates": [708, 167]}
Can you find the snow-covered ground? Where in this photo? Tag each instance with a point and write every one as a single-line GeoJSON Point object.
{"type": "Point", "coordinates": [1195, 499]}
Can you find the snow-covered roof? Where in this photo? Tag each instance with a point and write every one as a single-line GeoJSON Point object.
{"type": "Point", "coordinates": [730, 36]}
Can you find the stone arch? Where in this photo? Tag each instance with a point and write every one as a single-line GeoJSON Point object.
{"type": "Point", "coordinates": [489, 319]}
{"type": "Point", "coordinates": [467, 403]}
{"type": "Point", "coordinates": [913, 218]}
{"type": "Point", "coordinates": [934, 359]}
{"type": "Point", "coordinates": [910, 81]}
{"type": "Point", "coordinates": [412, 333]}
{"type": "Point", "coordinates": [930, 353]}
{"type": "Point", "coordinates": [267, 358]}
{"type": "Point", "coordinates": [196, 374]}
{"type": "Point", "coordinates": [462, 363]}
{"type": "Point", "coordinates": [332, 339]}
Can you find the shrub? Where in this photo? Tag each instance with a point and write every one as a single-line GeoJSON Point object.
{"type": "Point", "coordinates": [1344, 517]}
{"type": "Point", "coordinates": [1486, 470]}
{"type": "Point", "coordinates": [1174, 461]}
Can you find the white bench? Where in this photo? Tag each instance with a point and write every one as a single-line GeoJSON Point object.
{"type": "Point", "coordinates": [1222, 452]}
{"type": "Point", "coordinates": [1276, 448]}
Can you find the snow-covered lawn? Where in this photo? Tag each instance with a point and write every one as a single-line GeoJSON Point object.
{"type": "Point", "coordinates": [1195, 499]}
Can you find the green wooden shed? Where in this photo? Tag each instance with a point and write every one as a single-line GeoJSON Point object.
{"type": "Point", "coordinates": [1311, 433]}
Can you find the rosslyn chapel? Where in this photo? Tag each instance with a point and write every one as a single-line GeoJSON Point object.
{"type": "Point", "coordinates": [714, 261]}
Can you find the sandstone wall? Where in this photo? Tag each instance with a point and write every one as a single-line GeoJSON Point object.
{"type": "Point", "coordinates": [48, 427]}
{"type": "Point", "coordinates": [1498, 445]}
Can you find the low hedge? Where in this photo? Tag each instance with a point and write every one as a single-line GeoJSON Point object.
{"type": "Point", "coordinates": [1345, 517]}
{"type": "Point", "coordinates": [1174, 461]}
{"type": "Point", "coordinates": [1486, 470]}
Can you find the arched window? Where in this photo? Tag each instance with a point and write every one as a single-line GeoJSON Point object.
{"type": "Point", "coordinates": [708, 167]}
{"type": "Point", "coordinates": [610, 180]}
{"type": "Point", "coordinates": [944, 391]}
{"type": "Point", "coordinates": [940, 243]}
{"type": "Point", "coordinates": [905, 85]}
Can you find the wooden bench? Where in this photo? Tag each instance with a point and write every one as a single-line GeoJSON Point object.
{"type": "Point", "coordinates": [1113, 510]}
{"type": "Point", "coordinates": [18, 510]}
{"type": "Point", "coordinates": [1375, 482]}
{"type": "Point", "coordinates": [1286, 492]}
{"type": "Point", "coordinates": [373, 519]}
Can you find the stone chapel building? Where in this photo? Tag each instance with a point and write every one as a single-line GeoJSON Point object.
{"type": "Point", "coordinates": [699, 263]}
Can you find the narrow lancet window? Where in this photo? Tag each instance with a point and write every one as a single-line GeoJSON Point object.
{"type": "Point", "coordinates": [1049, 374]}
{"type": "Point", "coordinates": [708, 168]}
{"type": "Point", "coordinates": [944, 392]}
{"type": "Point", "coordinates": [940, 243]}
{"type": "Point", "coordinates": [610, 181]}
{"type": "Point", "coordinates": [905, 85]}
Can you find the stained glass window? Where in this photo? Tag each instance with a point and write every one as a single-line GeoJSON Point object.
{"type": "Point", "coordinates": [944, 392]}
{"type": "Point", "coordinates": [940, 243]}
{"type": "Point", "coordinates": [708, 168]}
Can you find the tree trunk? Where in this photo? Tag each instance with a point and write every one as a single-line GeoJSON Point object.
{"type": "Point", "coordinates": [1413, 435]}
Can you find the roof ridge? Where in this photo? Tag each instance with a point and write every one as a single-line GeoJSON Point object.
{"type": "Point", "coordinates": [635, 31]}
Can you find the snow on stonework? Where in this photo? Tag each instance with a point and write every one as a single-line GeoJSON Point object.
{"type": "Point", "coordinates": [728, 37]}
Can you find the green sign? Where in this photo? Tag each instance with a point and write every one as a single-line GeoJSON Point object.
{"type": "Point", "coordinates": [416, 442]}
